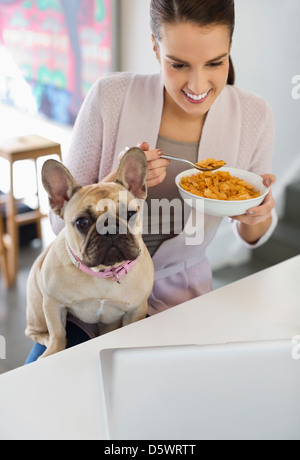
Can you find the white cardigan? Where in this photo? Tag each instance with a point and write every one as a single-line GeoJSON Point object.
{"type": "Point", "coordinates": [124, 109]}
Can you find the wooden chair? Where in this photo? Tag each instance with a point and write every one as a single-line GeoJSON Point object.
{"type": "Point", "coordinates": [29, 147]}
{"type": "Point", "coordinates": [5, 244]}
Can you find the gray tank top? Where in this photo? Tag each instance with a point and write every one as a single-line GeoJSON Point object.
{"type": "Point", "coordinates": [163, 226]}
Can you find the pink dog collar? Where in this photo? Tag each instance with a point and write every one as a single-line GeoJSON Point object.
{"type": "Point", "coordinates": [115, 272]}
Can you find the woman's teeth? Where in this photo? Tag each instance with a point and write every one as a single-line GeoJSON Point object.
{"type": "Point", "coordinates": [196, 98]}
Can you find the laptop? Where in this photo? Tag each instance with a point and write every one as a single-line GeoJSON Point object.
{"type": "Point", "coordinates": [236, 391]}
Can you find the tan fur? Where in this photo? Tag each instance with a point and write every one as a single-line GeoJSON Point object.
{"type": "Point", "coordinates": [56, 287]}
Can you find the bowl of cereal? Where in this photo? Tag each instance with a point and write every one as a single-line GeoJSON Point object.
{"type": "Point", "coordinates": [226, 192]}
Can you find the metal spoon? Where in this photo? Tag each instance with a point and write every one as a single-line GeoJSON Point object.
{"type": "Point", "coordinates": [169, 157]}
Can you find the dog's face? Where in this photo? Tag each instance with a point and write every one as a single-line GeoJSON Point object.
{"type": "Point", "coordinates": [103, 225]}
{"type": "Point", "coordinates": [102, 220]}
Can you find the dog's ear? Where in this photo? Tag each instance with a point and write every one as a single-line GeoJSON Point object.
{"type": "Point", "coordinates": [59, 184]}
{"type": "Point", "coordinates": [132, 172]}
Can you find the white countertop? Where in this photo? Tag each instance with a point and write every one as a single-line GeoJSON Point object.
{"type": "Point", "coordinates": [59, 397]}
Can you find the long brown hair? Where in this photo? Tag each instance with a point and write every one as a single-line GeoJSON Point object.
{"type": "Point", "coordinates": [197, 12]}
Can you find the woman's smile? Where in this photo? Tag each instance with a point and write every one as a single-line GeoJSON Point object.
{"type": "Point", "coordinates": [194, 99]}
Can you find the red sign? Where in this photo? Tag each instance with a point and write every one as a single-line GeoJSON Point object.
{"type": "Point", "coordinates": [61, 48]}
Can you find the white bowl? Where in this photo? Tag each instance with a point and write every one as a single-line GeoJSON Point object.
{"type": "Point", "coordinates": [224, 208]}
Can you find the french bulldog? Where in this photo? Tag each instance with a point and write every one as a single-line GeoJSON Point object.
{"type": "Point", "coordinates": [98, 269]}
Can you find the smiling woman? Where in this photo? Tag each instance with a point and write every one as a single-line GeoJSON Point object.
{"type": "Point", "coordinates": [192, 42]}
{"type": "Point", "coordinates": [194, 65]}
{"type": "Point", "coordinates": [191, 110]}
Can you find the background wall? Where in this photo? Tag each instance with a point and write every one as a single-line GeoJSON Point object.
{"type": "Point", "coordinates": [266, 55]}
{"type": "Point", "coordinates": [136, 46]}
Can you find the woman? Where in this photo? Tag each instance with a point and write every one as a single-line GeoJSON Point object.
{"type": "Point", "coordinates": [191, 110]}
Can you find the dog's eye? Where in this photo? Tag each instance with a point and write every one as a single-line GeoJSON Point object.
{"type": "Point", "coordinates": [130, 214]}
{"type": "Point", "coordinates": [83, 224]}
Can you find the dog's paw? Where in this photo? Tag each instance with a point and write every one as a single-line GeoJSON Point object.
{"type": "Point", "coordinates": [41, 338]}
{"type": "Point", "coordinates": [53, 348]}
